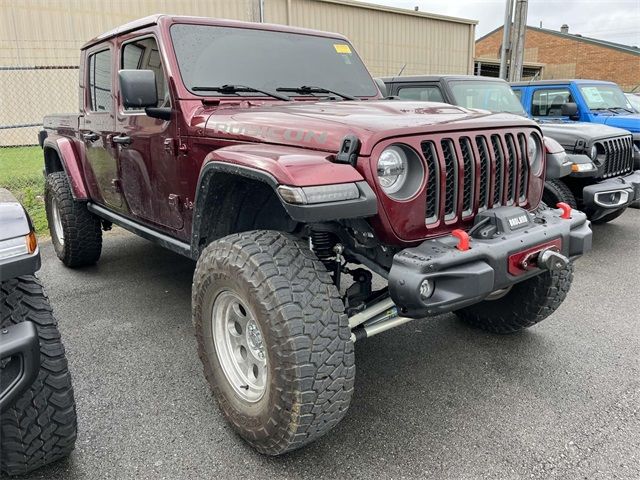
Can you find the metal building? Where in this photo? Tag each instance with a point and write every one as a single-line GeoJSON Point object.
{"type": "Point", "coordinates": [36, 34]}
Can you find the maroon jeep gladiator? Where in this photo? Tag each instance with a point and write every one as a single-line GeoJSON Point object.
{"type": "Point", "coordinates": [267, 154]}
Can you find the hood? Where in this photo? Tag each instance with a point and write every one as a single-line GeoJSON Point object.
{"type": "Point", "coordinates": [567, 134]}
{"type": "Point", "coordinates": [629, 122]}
{"type": "Point", "coordinates": [323, 125]}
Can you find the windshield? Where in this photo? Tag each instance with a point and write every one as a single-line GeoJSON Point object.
{"type": "Point", "coordinates": [487, 95]}
{"type": "Point", "coordinates": [211, 56]}
{"type": "Point", "coordinates": [604, 97]}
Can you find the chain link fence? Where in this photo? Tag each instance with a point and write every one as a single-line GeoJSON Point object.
{"type": "Point", "coordinates": [27, 94]}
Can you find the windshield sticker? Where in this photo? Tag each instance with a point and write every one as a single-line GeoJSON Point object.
{"type": "Point", "coordinates": [342, 48]}
{"type": "Point", "coordinates": [593, 95]}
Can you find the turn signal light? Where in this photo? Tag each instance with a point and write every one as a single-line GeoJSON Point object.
{"type": "Point", "coordinates": [32, 242]}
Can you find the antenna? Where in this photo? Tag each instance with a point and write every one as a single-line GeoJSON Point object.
{"type": "Point", "coordinates": [401, 70]}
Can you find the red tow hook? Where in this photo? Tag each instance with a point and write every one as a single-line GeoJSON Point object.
{"type": "Point", "coordinates": [463, 239]}
{"type": "Point", "coordinates": [566, 210]}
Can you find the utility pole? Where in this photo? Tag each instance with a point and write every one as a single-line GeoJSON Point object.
{"type": "Point", "coordinates": [506, 39]}
{"type": "Point", "coordinates": [517, 40]}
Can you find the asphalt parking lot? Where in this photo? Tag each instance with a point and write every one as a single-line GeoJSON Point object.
{"type": "Point", "coordinates": [434, 398]}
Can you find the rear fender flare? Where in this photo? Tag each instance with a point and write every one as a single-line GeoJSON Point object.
{"type": "Point", "coordinates": [70, 161]}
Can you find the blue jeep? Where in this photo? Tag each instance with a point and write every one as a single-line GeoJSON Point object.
{"type": "Point", "coordinates": [590, 101]}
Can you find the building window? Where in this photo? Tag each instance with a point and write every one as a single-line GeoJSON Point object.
{"type": "Point", "coordinates": [548, 102]}
{"type": "Point", "coordinates": [100, 95]}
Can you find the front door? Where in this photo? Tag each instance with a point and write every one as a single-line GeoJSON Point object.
{"type": "Point", "coordinates": [97, 127]}
{"type": "Point", "coordinates": [147, 146]}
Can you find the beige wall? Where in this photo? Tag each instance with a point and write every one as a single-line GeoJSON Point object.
{"type": "Point", "coordinates": [51, 32]}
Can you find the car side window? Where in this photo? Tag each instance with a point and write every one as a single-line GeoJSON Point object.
{"type": "Point", "coordinates": [144, 54]}
{"type": "Point", "coordinates": [100, 91]}
{"type": "Point", "coordinates": [428, 93]}
{"type": "Point", "coordinates": [547, 102]}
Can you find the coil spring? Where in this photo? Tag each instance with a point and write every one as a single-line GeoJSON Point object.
{"type": "Point", "coordinates": [323, 243]}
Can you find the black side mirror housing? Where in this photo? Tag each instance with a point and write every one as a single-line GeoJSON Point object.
{"type": "Point", "coordinates": [570, 109]}
{"type": "Point", "coordinates": [138, 88]}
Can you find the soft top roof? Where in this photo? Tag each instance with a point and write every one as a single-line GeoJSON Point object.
{"type": "Point", "coordinates": [164, 19]}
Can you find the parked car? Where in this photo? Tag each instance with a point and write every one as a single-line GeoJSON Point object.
{"type": "Point", "coordinates": [277, 177]}
{"type": "Point", "coordinates": [600, 179]}
{"type": "Point", "coordinates": [589, 101]}
{"type": "Point", "coordinates": [634, 100]}
{"type": "Point", "coordinates": [37, 408]}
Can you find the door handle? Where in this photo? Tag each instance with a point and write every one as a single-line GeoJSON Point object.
{"type": "Point", "coordinates": [121, 139]}
{"type": "Point", "coordinates": [90, 136]}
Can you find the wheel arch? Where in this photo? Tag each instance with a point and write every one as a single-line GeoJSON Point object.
{"type": "Point", "coordinates": [60, 156]}
{"type": "Point", "coordinates": [222, 206]}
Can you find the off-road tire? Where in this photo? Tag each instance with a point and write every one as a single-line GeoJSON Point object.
{"type": "Point", "coordinates": [610, 216]}
{"type": "Point", "coordinates": [310, 354]}
{"type": "Point", "coordinates": [82, 233]}
{"type": "Point", "coordinates": [527, 303]}
{"type": "Point", "coordinates": [40, 426]}
{"type": "Point", "coordinates": [557, 191]}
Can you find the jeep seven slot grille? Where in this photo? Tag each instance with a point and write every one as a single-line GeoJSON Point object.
{"type": "Point", "coordinates": [618, 156]}
{"type": "Point", "coordinates": [469, 174]}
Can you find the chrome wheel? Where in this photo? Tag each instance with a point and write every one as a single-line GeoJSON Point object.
{"type": "Point", "coordinates": [239, 346]}
{"type": "Point", "coordinates": [57, 221]}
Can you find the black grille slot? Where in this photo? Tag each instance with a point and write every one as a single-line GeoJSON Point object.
{"type": "Point", "coordinates": [469, 175]}
{"type": "Point", "coordinates": [618, 156]}
{"type": "Point", "coordinates": [466, 175]}
{"type": "Point", "coordinates": [499, 178]}
{"type": "Point", "coordinates": [485, 169]}
{"type": "Point", "coordinates": [523, 181]}
{"type": "Point", "coordinates": [512, 162]}
{"type": "Point", "coordinates": [433, 182]}
{"type": "Point", "coordinates": [451, 180]}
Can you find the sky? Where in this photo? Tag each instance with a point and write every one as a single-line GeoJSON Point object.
{"type": "Point", "coordinates": [613, 20]}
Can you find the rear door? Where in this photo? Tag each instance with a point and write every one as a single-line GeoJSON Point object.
{"type": "Point", "coordinates": [148, 163]}
{"type": "Point", "coordinates": [97, 127]}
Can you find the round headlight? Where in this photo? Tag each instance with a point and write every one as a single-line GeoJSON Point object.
{"type": "Point", "coordinates": [594, 153]}
{"type": "Point", "coordinates": [392, 169]}
{"type": "Point", "coordinates": [534, 151]}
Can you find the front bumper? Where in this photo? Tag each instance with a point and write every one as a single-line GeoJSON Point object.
{"type": "Point", "coordinates": [609, 195]}
{"type": "Point", "coordinates": [20, 357]}
{"type": "Point", "coordinates": [461, 278]}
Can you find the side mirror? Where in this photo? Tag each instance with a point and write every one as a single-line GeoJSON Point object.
{"type": "Point", "coordinates": [382, 87]}
{"type": "Point", "coordinates": [570, 109]}
{"type": "Point", "coordinates": [138, 88]}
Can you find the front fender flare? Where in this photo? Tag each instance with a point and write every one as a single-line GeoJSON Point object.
{"type": "Point", "coordinates": [365, 206]}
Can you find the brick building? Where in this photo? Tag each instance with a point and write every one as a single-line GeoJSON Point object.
{"type": "Point", "coordinates": [559, 54]}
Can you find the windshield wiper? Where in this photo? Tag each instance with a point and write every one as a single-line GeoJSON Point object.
{"type": "Point", "coordinates": [306, 90]}
{"type": "Point", "coordinates": [241, 88]}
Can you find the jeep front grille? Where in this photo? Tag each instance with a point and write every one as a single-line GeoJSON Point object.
{"type": "Point", "coordinates": [618, 156]}
{"type": "Point", "coordinates": [467, 174]}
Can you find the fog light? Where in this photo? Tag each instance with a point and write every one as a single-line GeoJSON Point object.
{"type": "Point", "coordinates": [426, 289]}
{"type": "Point", "coordinates": [612, 199]}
